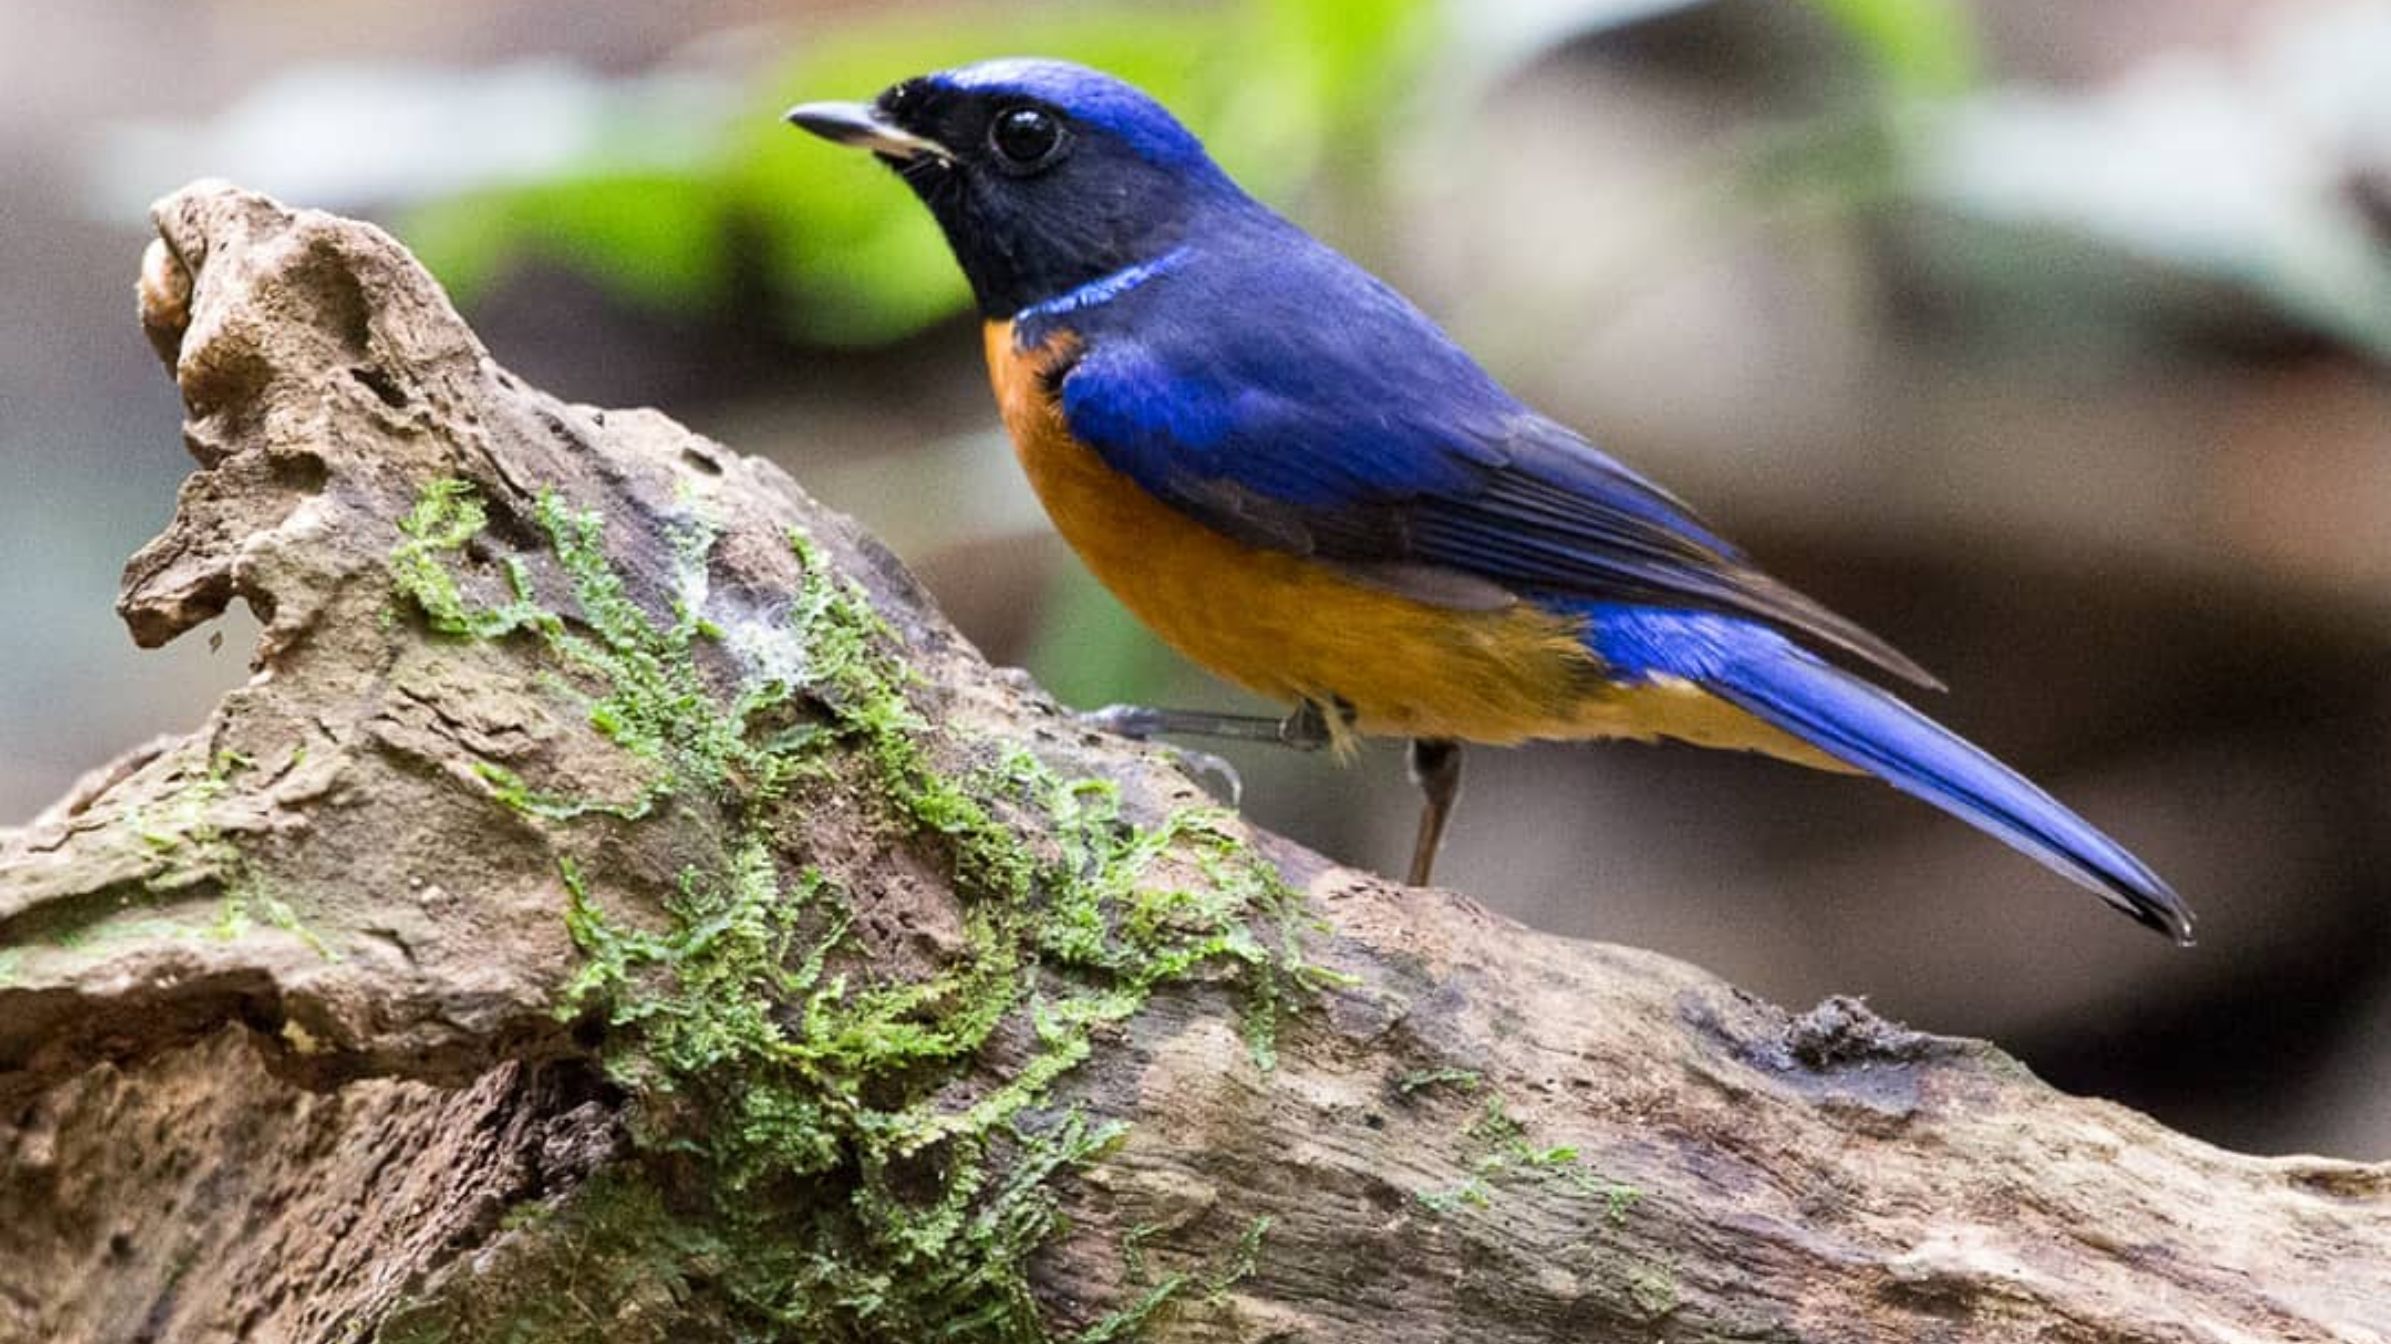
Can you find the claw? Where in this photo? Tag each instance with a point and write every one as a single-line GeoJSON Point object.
{"type": "Point", "coordinates": [1207, 769]}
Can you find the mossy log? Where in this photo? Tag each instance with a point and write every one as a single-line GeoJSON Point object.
{"type": "Point", "coordinates": [620, 908]}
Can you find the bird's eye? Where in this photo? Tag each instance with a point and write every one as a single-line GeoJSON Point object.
{"type": "Point", "coordinates": [1025, 138]}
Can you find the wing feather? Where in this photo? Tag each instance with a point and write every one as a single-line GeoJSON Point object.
{"type": "Point", "coordinates": [1357, 433]}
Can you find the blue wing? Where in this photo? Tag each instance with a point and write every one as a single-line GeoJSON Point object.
{"type": "Point", "coordinates": [1286, 397]}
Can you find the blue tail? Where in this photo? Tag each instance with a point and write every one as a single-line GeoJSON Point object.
{"type": "Point", "coordinates": [1763, 673]}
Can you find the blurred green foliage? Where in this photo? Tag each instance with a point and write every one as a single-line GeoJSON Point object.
{"type": "Point", "coordinates": [1919, 47]}
{"type": "Point", "coordinates": [1286, 92]}
{"type": "Point", "coordinates": [1276, 88]}
{"type": "Point", "coordinates": [656, 238]}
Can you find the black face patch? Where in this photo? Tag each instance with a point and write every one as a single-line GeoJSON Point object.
{"type": "Point", "coordinates": [1036, 200]}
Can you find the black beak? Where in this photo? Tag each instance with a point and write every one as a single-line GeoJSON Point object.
{"type": "Point", "coordinates": [861, 126]}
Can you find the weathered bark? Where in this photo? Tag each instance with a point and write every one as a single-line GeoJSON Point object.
{"type": "Point", "coordinates": [619, 931]}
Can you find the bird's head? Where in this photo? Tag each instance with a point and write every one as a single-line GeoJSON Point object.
{"type": "Point", "coordinates": [1045, 175]}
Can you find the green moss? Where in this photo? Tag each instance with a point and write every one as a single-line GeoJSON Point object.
{"type": "Point", "coordinates": [448, 516]}
{"type": "Point", "coordinates": [1155, 1305]}
{"type": "Point", "coordinates": [611, 1265]}
{"type": "Point", "coordinates": [871, 1151]}
{"type": "Point", "coordinates": [1419, 1080]}
{"type": "Point", "coordinates": [1652, 1290]}
{"type": "Point", "coordinates": [1499, 1153]}
{"type": "Point", "coordinates": [245, 904]}
{"type": "Point", "coordinates": [190, 858]}
{"type": "Point", "coordinates": [182, 831]}
{"type": "Point", "coordinates": [1619, 1201]}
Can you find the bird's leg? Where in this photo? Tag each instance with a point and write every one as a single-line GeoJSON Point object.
{"type": "Point", "coordinates": [1304, 730]}
{"type": "Point", "coordinates": [1436, 767]}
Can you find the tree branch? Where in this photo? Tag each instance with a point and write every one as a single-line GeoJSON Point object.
{"type": "Point", "coordinates": [620, 907]}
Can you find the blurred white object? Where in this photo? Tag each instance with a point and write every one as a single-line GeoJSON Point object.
{"type": "Point", "coordinates": [348, 136]}
{"type": "Point", "coordinates": [2238, 169]}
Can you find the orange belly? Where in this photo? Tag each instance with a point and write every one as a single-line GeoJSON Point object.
{"type": "Point", "coordinates": [1291, 629]}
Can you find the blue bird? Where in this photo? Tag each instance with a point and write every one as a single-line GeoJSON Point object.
{"type": "Point", "coordinates": [1299, 481]}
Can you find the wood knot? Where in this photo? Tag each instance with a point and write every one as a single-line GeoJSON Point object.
{"type": "Point", "coordinates": [1844, 1030]}
{"type": "Point", "coordinates": [165, 294]}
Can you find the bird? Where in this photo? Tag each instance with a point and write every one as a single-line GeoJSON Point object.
{"type": "Point", "coordinates": [1298, 480]}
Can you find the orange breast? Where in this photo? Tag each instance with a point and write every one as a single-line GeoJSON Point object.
{"type": "Point", "coordinates": [1292, 629]}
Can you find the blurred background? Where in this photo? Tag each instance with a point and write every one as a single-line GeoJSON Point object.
{"type": "Point", "coordinates": [2046, 337]}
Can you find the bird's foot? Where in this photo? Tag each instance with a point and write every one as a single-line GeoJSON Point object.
{"type": "Point", "coordinates": [1142, 723]}
{"type": "Point", "coordinates": [1304, 730]}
